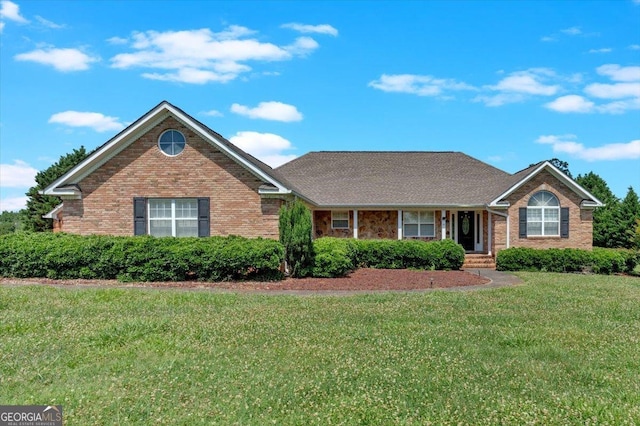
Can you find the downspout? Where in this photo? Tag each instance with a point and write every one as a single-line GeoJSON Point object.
{"type": "Point", "coordinates": [506, 216]}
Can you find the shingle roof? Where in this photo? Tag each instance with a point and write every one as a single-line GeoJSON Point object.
{"type": "Point", "coordinates": [361, 179]}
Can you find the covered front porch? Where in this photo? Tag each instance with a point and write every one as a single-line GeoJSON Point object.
{"type": "Point", "coordinates": [471, 228]}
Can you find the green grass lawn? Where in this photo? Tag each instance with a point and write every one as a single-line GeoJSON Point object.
{"type": "Point", "coordinates": [560, 349]}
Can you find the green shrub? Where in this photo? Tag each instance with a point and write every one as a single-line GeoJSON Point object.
{"type": "Point", "coordinates": [600, 260]}
{"type": "Point", "coordinates": [339, 256]}
{"type": "Point", "coordinates": [65, 256]}
{"type": "Point", "coordinates": [295, 235]}
{"type": "Point", "coordinates": [335, 257]}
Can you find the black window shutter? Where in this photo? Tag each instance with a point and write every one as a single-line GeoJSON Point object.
{"type": "Point", "coordinates": [203, 217]}
{"type": "Point", "coordinates": [523, 222]}
{"type": "Point", "coordinates": [139, 216]}
{"type": "Point", "coordinates": [564, 222]}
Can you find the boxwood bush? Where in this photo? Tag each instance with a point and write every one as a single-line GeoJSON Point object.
{"type": "Point", "coordinates": [338, 256]}
{"type": "Point", "coordinates": [66, 256]}
{"type": "Point", "coordinates": [599, 260]}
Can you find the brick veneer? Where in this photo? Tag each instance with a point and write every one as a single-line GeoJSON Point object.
{"type": "Point", "coordinates": [200, 170]}
{"type": "Point", "coordinates": [580, 221]}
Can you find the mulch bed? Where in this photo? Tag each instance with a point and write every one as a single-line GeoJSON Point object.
{"type": "Point", "coordinates": [360, 280]}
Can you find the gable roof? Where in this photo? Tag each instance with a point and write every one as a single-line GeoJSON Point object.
{"type": "Point", "coordinates": [394, 178]}
{"type": "Point", "coordinates": [523, 176]}
{"type": "Point", "coordinates": [66, 185]}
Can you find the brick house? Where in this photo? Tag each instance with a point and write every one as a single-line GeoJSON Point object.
{"type": "Point", "coordinates": [167, 174]}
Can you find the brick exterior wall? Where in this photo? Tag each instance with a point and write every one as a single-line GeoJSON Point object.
{"type": "Point", "coordinates": [143, 170]}
{"type": "Point", "coordinates": [580, 221]}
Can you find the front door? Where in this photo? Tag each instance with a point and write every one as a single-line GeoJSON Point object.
{"type": "Point", "coordinates": [466, 230]}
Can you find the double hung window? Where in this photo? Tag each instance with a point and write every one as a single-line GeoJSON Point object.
{"type": "Point", "coordinates": [419, 223]}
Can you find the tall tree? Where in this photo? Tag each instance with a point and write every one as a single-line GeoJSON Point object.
{"type": "Point", "coordinates": [10, 222]}
{"type": "Point", "coordinates": [38, 204]}
{"type": "Point", "coordinates": [563, 166]}
{"type": "Point", "coordinates": [629, 214]}
{"type": "Point", "coordinates": [606, 229]}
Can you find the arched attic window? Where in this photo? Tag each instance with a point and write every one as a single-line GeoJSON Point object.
{"type": "Point", "coordinates": [543, 215]}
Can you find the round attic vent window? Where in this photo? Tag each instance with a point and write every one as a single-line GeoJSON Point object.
{"type": "Point", "coordinates": [171, 142]}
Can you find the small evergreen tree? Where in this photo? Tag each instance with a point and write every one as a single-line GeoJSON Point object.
{"type": "Point", "coordinates": [629, 214]}
{"type": "Point", "coordinates": [38, 204]}
{"type": "Point", "coordinates": [295, 236]}
{"type": "Point", "coordinates": [606, 228]}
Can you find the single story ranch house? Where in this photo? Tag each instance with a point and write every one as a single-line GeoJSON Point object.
{"type": "Point", "coordinates": [167, 174]}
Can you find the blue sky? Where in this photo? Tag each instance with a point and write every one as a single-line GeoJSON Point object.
{"type": "Point", "coordinates": [510, 83]}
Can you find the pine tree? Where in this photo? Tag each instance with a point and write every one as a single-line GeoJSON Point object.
{"type": "Point", "coordinates": [606, 229]}
{"type": "Point", "coordinates": [295, 236]}
{"type": "Point", "coordinates": [629, 214]}
{"type": "Point", "coordinates": [38, 204]}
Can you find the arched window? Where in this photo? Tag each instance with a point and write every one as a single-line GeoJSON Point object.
{"type": "Point", "coordinates": [171, 142]}
{"type": "Point", "coordinates": [543, 214]}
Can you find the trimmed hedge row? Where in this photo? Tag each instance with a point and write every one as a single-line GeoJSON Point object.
{"type": "Point", "coordinates": [336, 257]}
{"type": "Point", "coordinates": [600, 260]}
{"type": "Point", "coordinates": [66, 256]}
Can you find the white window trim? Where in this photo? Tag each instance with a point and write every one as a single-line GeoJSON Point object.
{"type": "Point", "coordinates": [172, 130]}
{"type": "Point", "coordinates": [542, 222]}
{"type": "Point", "coordinates": [419, 235]}
{"type": "Point", "coordinates": [173, 217]}
{"type": "Point", "coordinates": [333, 219]}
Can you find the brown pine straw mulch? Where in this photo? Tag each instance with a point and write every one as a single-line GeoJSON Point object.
{"type": "Point", "coordinates": [360, 280]}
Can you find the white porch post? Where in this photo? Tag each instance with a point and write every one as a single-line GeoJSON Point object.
{"type": "Point", "coordinates": [489, 234]}
{"type": "Point", "coordinates": [355, 224]}
{"type": "Point", "coordinates": [443, 224]}
{"type": "Point", "coordinates": [399, 224]}
{"type": "Point", "coordinates": [508, 230]}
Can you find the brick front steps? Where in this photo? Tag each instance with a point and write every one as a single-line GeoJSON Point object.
{"type": "Point", "coordinates": [478, 261]}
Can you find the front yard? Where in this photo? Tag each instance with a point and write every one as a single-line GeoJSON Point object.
{"type": "Point", "coordinates": [560, 349]}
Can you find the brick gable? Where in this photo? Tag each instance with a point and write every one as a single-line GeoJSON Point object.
{"type": "Point", "coordinates": [200, 170]}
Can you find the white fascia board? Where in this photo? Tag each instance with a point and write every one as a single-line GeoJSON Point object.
{"type": "Point", "coordinates": [132, 133]}
{"type": "Point", "coordinates": [222, 147]}
{"type": "Point", "coordinates": [558, 174]}
{"type": "Point", "coordinates": [52, 214]}
{"type": "Point", "coordinates": [364, 207]}
{"type": "Point", "coordinates": [106, 152]}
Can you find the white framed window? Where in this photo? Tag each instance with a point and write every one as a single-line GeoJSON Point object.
{"type": "Point", "coordinates": [419, 223]}
{"type": "Point", "coordinates": [543, 215]}
{"type": "Point", "coordinates": [340, 219]}
{"type": "Point", "coordinates": [171, 142]}
{"type": "Point", "coordinates": [173, 217]}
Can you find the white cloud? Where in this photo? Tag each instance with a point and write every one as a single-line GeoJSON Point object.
{"type": "Point", "coordinates": [601, 50]}
{"type": "Point", "coordinates": [566, 144]}
{"type": "Point", "coordinates": [276, 111]}
{"type": "Point", "coordinates": [213, 113]}
{"type": "Point", "coordinates": [1, 26]}
{"type": "Point", "coordinates": [421, 85]}
{"type": "Point", "coordinates": [61, 59]}
{"type": "Point", "coordinates": [500, 99]}
{"type": "Point", "coordinates": [302, 46]}
{"type": "Point", "coordinates": [13, 204]}
{"type": "Point", "coordinates": [619, 107]}
{"type": "Point", "coordinates": [618, 73]}
{"type": "Point", "coordinates": [17, 175]}
{"type": "Point", "coordinates": [11, 11]}
{"type": "Point", "coordinates": [318, 29]}
{"type": "Point", "coordinates": [117, 40]}
{"type": "Point", "coordinates": [267, 147]}
{"type": "Point", "coordinates": [547, 39]}
{"type": "Point", "coordinates": [572, 31]}
{"type": "Point", "coordinates": [94, 120]}
{"type": "Point", "coordinates": [528, 82]}
{"type": "Point", "coordinates": [634, 46]}
{"type": "Point", "coordinates": [202, 56]}
{"type": "Point", "coordinates": [48, 24]}
{"type": "Point", "coordinates": [613, 91]}
{"type": "Point", "coordinates": [571, 103]}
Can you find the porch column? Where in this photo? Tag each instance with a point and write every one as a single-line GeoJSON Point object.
{"type": "Point", "coordinates": [399, 224]}
{"type": "Point", "coordinates": [355, 224]}
{"type": "Point", "coordinates": [489, 234]}
{"type": "Point", "coordinates": [443, 224]}
{"type": "Point", "coordinates": [508, 229]}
